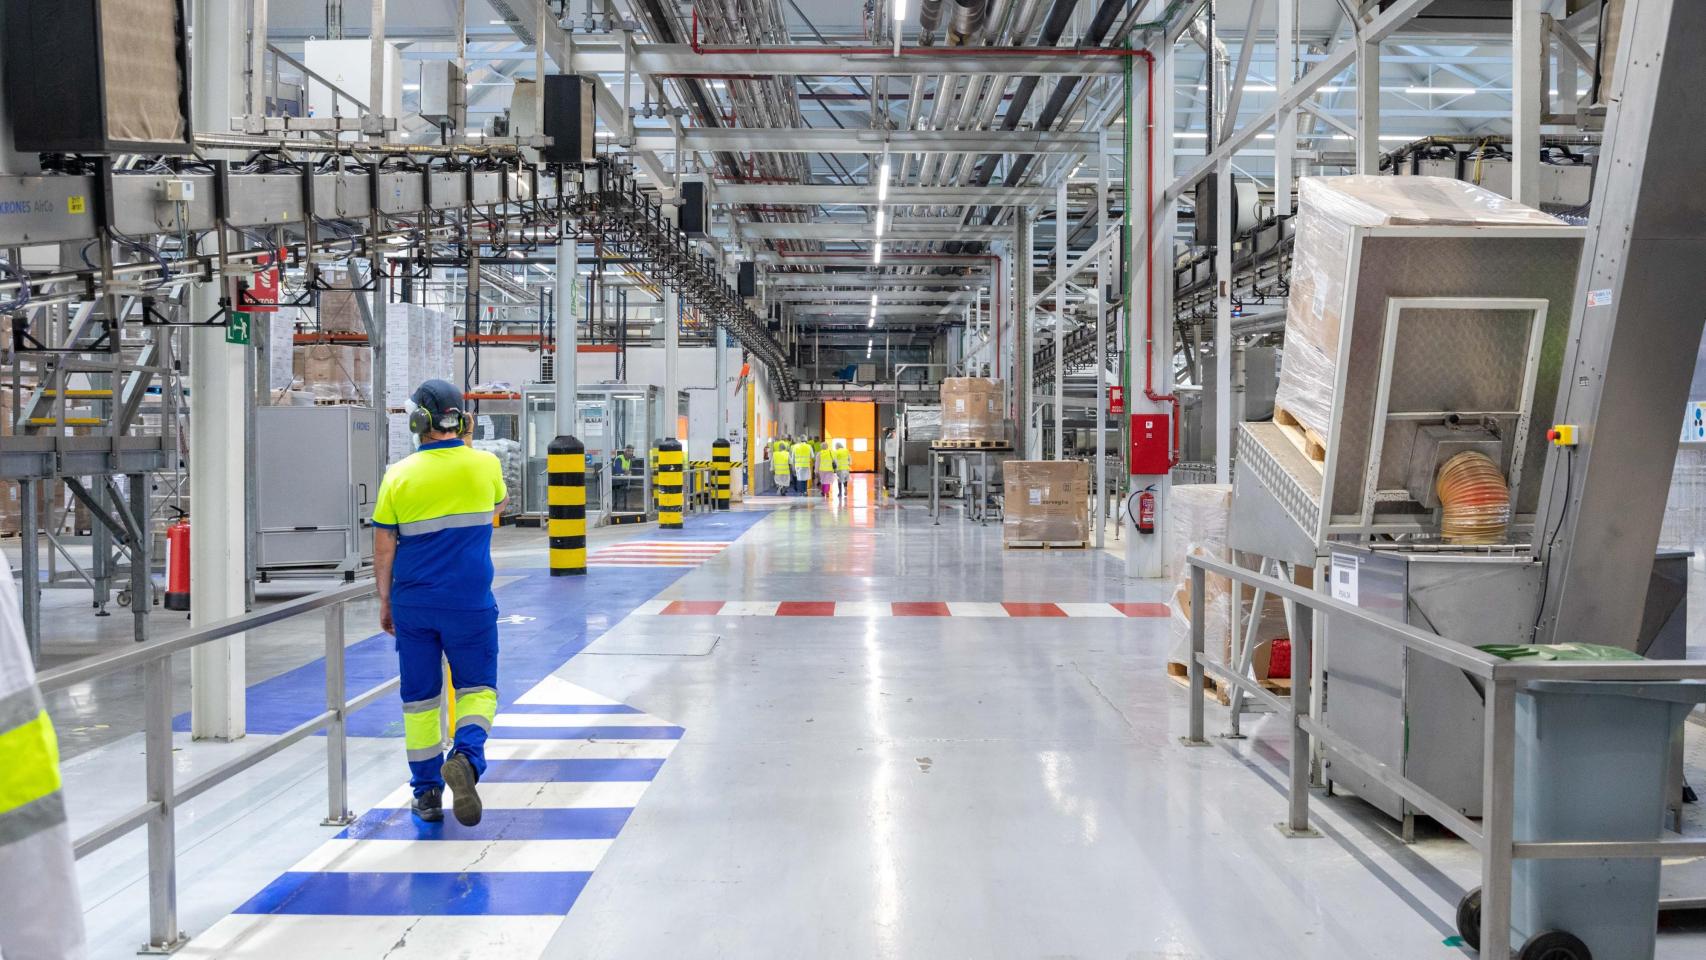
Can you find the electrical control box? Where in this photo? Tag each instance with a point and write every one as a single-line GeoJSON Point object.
{"type": "Point", "coordinates": [746, 280]}
{"type": "Point", "coordinates": [1151, 444]}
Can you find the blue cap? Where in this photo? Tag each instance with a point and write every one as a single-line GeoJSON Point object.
{"type": "Point", "coordinates": [441, 400]}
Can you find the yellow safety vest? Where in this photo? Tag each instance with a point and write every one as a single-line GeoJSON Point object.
{"type": "Point", "coordinates": [44, 917]}
{"type": "Point", "coordinates": [826, 459]}
{"type": "Point", "coordinates": [779, 461]}
{"type": "Point", "coordinates": [843, 458]}
{"type": "Point", "coordinates": [802, 454]}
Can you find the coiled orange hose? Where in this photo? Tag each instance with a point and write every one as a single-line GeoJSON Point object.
{"type": "Point", "coordinates": [1475, 500]}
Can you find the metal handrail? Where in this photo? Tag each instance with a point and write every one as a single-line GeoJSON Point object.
{"type": "Point", "coordinates": [158, 811]}
{"type": "Point", "coordinates": [1502, 680]}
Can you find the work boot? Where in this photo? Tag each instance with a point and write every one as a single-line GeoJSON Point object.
{"type": "Point", "coordinates": [460, 777]}
{"type": "Point", "coordinates": [429, 805]}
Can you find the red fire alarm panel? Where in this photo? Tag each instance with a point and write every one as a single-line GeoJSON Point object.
{"type": "Point", "coordinates": [1151, 444]}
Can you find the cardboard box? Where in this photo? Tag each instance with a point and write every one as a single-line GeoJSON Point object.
{"type": "Point", "coordinates": [1047, 501]}
{"type": "Point", "coordinates": [972, 410]}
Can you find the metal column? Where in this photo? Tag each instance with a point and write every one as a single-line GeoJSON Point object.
{"type": "Point", "coordinates": [568, 343]}
{"type": "Point", "coordinates": [672, 365]}
{"type": "Point", "coordinates": [1368, 105]}
{"type": "Point", "coordinates": [1633, 336]}
{"type": "Point", "coordinates": [1104, 273]}
{"type": "Point", "coordinates": [1528, 76]}
{"type": "Point", "coordinates": [1285, 131]}
{"type": "Point", "coordinates": [1060, 320]}
{"type": "Point", "coordinates": [1223, 322]}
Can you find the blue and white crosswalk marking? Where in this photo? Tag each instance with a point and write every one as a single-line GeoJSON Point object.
{"type": "Point", "coordinates": [565, 769]}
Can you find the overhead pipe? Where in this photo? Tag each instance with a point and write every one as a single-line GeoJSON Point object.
{"type": "Point", "coordinates": [967, 21]}
{"type": "Point", "coordinates": [929, 20]}
{"type": "Point", "coordinates": [1049, 51]}
{"type": "Point", "coordinates": [1171, 397]}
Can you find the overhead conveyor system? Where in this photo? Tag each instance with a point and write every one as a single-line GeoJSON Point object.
{"type": "Point", "coordinates": [387, 204]}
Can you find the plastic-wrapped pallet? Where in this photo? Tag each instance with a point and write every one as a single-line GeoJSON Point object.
{"type": "Point", "coordinates": [1046, 501]}
{"type": "Point", "coordinates": [1200, 515]}
{"type": "Point", "coordinates": [281, 348]}
{"type": "Point", "coordinates": [508, 453]}
{"type": "Point", "coordinates": [400, 440]}
{"type": "Point", "coordinates": [971, 409]}
{"type": "Point", "coordinates": [1329, 211]}
{"type": "Point", "coordinates": [335, 373]}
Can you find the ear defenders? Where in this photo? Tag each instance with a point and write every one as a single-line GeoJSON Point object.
{"type": "Point", "coordinates": [421, 420]}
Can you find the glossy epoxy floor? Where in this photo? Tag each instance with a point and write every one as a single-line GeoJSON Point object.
{"type": "Point", "coordinates": [873, 785]}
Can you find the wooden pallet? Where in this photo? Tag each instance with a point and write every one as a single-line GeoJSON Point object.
{"type": "Point", "coordinates": [1045, 544]}
{"type": "Point", "coordinates": [970, 445]}
{"type": "Point", "coordinates": [1306, 440]}
{"type": "Point", "coordinates": [1217, 690]}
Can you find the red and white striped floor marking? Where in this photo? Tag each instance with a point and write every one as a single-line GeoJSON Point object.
{"type": "Point", "coordinates": [902, 608]}
{"type": "Point", "coordinates": [657, 553]}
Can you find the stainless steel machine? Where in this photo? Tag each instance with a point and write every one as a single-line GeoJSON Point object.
{"type": "Point", "coordinates": [1449, 339]}
{"type": "Point", "coordinates": [316, 480]}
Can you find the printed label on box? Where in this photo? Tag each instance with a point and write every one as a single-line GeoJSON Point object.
{"type": "Point", "coordinates": [1036, 496]}
{"type": "Point", "coordinates": [1599, 298]}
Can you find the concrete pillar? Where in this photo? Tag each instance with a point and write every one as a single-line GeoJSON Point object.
{"type": "Point", "coordinates": [1152, 241]}
{"type": "Point", "coordinates": [218, 402]}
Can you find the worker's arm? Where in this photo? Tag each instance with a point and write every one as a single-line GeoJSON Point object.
{"type": "Point", "coordinates": [384, 551]}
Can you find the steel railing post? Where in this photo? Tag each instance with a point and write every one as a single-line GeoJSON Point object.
{"type": "Point", "coordinates": [1297, 821]}
{"type": "Point", "coordinates": [337, 756]}
{"type": "Point", "coordinates": [1498, 810]}
{"type": "Point", "coordinates": [1195, 671]}
{"type": "Point", "coordinates": [163, 933]}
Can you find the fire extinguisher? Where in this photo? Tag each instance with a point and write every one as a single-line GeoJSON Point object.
{"type": "Point", "coordinates": [178, 563]}
{"type": "Point", "coordinates": [1145, 518]}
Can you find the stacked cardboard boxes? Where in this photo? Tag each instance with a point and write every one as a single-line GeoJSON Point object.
{"type": "Point", "coordinates": [972, 410]}
{"type": "Point", "coordinates": [1047, 502]}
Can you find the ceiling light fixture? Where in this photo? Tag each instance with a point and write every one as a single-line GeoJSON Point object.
{"type": "Point", "coordinates": [879, 221]}
{"type": "Point", "coordinates": [900, 9]}
{"type": "Point", "coordinates": [877, 254]}
{"type": "Point", "coordinates": [868, 345]}
{"type": "Point", "coordinates": [1441, 91]}
{"type": "Point", "coordinates": [883, 179]}
{"type": "Point", "coordinates": [873, 303]}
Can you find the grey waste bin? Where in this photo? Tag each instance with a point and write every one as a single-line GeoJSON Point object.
{"type": "Point", "coordinates": [1591, 764]}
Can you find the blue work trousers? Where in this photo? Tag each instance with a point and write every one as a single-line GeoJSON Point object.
{"type": "Point", "coordinates": [468, 639]}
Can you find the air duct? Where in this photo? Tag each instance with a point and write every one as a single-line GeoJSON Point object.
{"type": "Point", "coordinates": [1475, 501]}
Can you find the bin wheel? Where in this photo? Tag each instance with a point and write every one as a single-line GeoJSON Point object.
{"type": "Point", "coordinates": [1554, 945]}
{"type": "Point", "coordinates": [1469, 918]}
{"type": "Point", "coordinates": [124, 598]}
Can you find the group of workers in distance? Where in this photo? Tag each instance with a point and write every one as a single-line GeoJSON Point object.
{"type": "Point", "coordinates": [793, 463]}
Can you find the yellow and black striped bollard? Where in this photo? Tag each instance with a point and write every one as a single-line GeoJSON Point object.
{"type": "Point", "coordinates": [565, 497]}
{"type": "Point", "coordinates": [723, 467]}
{"type": "Point", "coordinates": [672, 461]}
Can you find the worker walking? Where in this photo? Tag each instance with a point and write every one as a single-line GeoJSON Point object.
{"type": "Point", "coordinates": [826, 469]}
{"type": "Point", "coordinates": [843, 466]}
{"type": "Point", "coordinates": [801, 456]}
{"type": "Point", "coordinates": [432, 559]}
{"type": "Point", "coordinates": [41, 916]}
{"type": "Point", "coordinates": [780, 470]}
